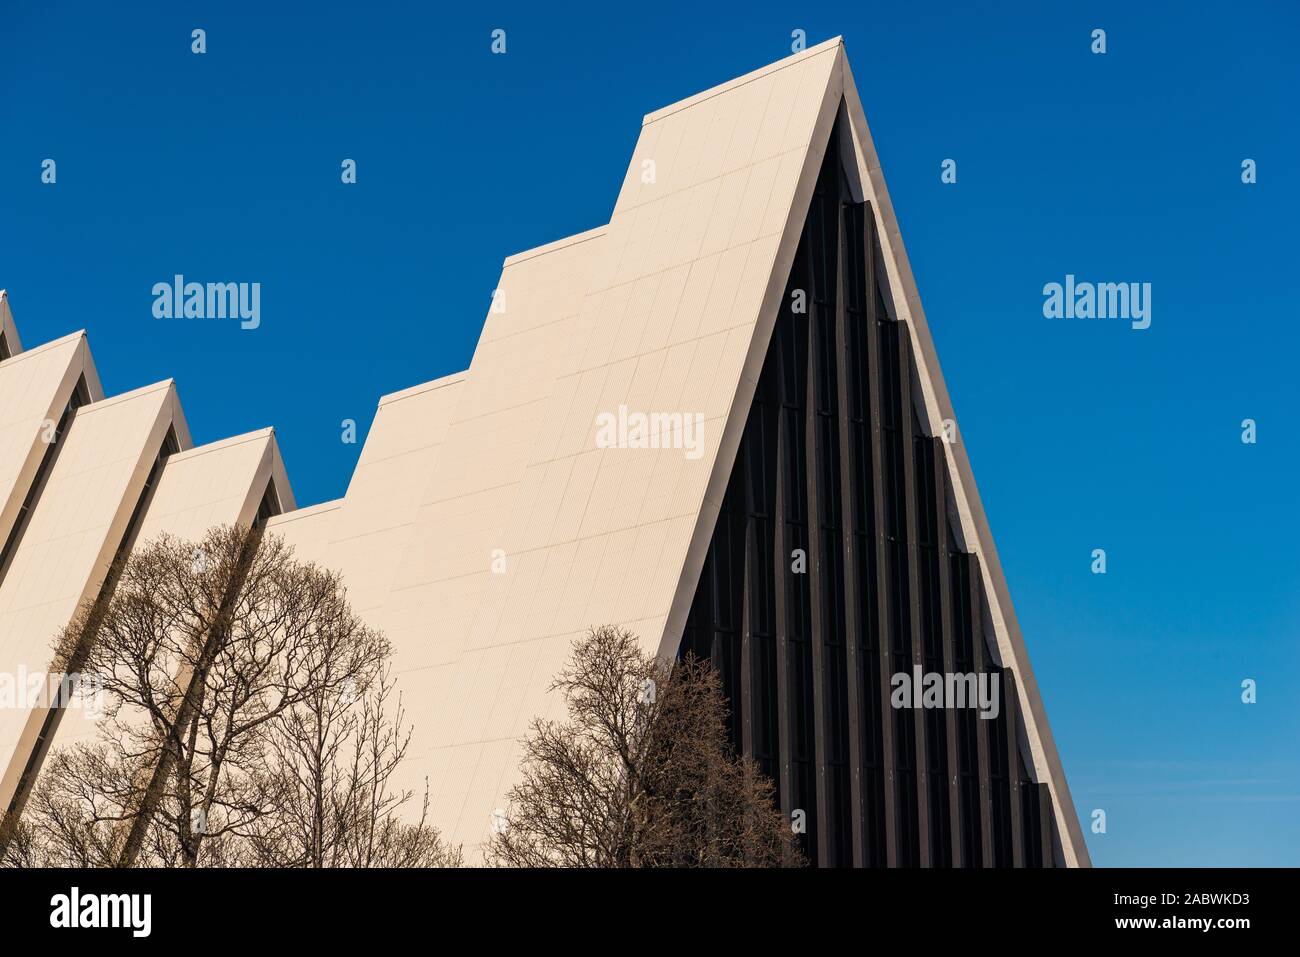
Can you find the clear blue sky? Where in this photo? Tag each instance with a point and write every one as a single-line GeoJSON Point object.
{"type": "Point", "coordinates": [1122, 167]}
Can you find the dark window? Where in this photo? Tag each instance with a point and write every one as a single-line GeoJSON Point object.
{"type": "Point", "coordinates": [831, 441]}
{"type": "Point", "coordinates": [269, 506]}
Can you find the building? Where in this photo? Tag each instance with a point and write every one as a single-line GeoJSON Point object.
{"type": "Point", "coordinates": [718, 421]}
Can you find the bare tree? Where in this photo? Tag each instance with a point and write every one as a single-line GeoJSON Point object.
{"type": "Point", "coordinates": [332, 760]}
{"type": "Point", "coordinates": [642, 774]}
{"type": "Point", "coordinates": [236, 682]}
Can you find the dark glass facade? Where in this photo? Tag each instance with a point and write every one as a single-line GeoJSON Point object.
{"type": "Point", "coordinates": [834, 566]}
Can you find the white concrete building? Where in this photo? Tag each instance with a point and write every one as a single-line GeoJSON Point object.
{"type": "Point", "coordinates": [488, 523]}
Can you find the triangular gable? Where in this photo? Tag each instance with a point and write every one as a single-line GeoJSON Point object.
{"type": "Point", "coordinates": [37, 388]}
{"type": "Point", "coordinates": [973, 522]}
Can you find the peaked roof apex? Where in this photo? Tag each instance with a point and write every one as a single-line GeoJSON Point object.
{"type": "Point", "coordinates": [812, 51]}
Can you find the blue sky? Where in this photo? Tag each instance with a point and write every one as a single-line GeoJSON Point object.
{"type": "Point", "coordinates": [1122, 167]}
